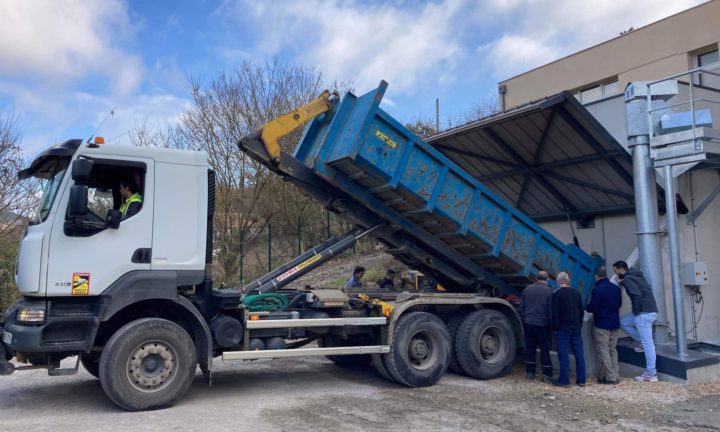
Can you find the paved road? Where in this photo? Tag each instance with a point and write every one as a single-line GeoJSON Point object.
{"type": "Point", "coordinates": [313, 394]}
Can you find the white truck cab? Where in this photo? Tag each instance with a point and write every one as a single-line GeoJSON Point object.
{"type": "Point", "coordinates": [86, 271]}
{"type": "Point", "coordinates": [66, 254]}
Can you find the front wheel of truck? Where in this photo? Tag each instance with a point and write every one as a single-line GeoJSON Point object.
{"type": "Point", "coordinates": [148, 364]}
{"type": "Point", "coordinates": [91, 363]}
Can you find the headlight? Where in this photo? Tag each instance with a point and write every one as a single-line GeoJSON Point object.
{"type": "Point", "coordinates": [31, 315]}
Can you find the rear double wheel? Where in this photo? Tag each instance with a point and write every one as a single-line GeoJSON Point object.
{"type": "Point", "coordinates": [485, 344]}
{"type": "Point", "coordinates": [420, 350]}
{"type": "Point", "coordinates": [378, 362]}
{"type": "Point", "coordinates": [452, 325]}
{"type": "Point", "coordinates": [148, 364]}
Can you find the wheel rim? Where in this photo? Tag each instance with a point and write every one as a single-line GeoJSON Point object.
{"type": "Point", "coordinates": [152, 366]}
{"type": "Point", "coordinates": [423, 350]}
{"type": "Point", "coordinates": [491, 345]}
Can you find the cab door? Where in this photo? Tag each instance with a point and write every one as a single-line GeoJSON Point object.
{"type": "Point", "coordinates": [84, 261]}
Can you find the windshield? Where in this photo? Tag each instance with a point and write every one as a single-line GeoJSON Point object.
{"type": "Point", "coordinates": [50, 185]}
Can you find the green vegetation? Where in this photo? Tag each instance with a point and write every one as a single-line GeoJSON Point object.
{"type": "Point", "coordinates": [8, 292]}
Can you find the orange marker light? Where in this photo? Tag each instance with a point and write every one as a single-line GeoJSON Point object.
{"type": "Point", "coordinates": [99, 140]}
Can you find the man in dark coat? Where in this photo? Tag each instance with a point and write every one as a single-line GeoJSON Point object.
{"type": "Point", "coordinates": [535, 313]}
{"type": "Point", "coordinates": [605, 302]}
{"type": "Point", "coordinates": [566, 315]}
{"type": "Point", "coordinates": [639, 324]}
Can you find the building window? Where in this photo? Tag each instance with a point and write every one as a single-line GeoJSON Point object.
{"type": "Point", "coordinates": [709, 59]}
{"type": "Point", "coordinates": [591, 94]}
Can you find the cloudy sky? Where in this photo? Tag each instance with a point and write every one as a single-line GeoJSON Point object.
{"type": "Point", "coordinates": [64, 64]}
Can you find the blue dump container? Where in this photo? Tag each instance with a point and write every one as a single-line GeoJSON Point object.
{"type": "Point", "coordinates": [360, 149]}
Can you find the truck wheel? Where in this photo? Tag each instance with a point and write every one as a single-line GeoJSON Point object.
{"type": "Point", "coordinates": [379, 364]}
{"type": "Point", "coordinates": [91, 363]}
{"type": "Point", "coordinates": [452, 326]}
{"type": "Point", "coordinates": [485, 344]}
{"type": "Point", "coordinates": [352, 361]}
{"type": "Point", "coordinates": [148, 364]}
{"type": "Point", "coordinates": [419, 351]}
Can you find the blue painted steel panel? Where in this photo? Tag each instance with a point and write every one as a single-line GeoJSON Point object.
{"type": "Point", "coordinates": [360, 149]}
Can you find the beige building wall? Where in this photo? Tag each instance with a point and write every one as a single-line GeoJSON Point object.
{"type": "Point", "coordinates": [657, 50]}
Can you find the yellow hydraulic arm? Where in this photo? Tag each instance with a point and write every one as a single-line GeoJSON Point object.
{"type": "Point", "coordinates": [271, 132]}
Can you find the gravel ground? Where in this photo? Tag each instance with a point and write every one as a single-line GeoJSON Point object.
{"type": "Point", "coordinates": [314, 394]}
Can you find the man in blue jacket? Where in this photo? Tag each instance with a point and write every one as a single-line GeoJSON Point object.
{"type": "Point", "coordinates": [605, 302]}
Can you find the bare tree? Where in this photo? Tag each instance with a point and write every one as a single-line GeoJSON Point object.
{"type": "Point", "coordinates": [422, 127]}
{"type": "Point", "coordinates": [225, 109]}
{"type": "Point", "coordinates": [17, 199]}
{"type": "Point", "coordinates": [482, 108]}
{"type": "Point", "coordinates": [146, 133]}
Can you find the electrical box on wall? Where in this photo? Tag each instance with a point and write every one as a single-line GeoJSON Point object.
{"type": "Point", "coordinates": [694, 273]}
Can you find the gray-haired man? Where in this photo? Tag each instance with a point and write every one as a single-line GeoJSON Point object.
{"type": "Point", "coordinates": [535, 313]}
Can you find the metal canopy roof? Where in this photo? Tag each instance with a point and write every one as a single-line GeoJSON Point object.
{"type": "Point", "coordinates": [550, 158]}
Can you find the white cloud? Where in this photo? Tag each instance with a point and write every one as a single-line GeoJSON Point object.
{"type": "Point", "coordinates": [61, 41]}
{"type": "Point", "coordinates": [48, 116]}
{"type": "Point", "coordinates": [161, 111]}
{"type": "Point", "coordinates": [357, 40]}
{"type": "Point", "coordinates": [540, 31]}
{"type": "Point", "coordinates": [233, 55]}
{"type": "Point", "coordinates": [412, 45]}
{"type": "Point", "coordinates": [512, 53]}
{"type": "Point", "coordinates": [64, 65]}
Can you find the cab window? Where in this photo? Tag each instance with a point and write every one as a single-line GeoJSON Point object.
{"type": "Point", "coordinates": [104, 194]}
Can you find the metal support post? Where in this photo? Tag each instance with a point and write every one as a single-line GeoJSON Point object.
{"type": "Point", "coordinates": [327, 217]}
{"type": "Point", "coordinates": [269, 240]}
{"type": "Point", "coordinates": [639, 127]}
{"type": "Point", "coordinates": [648, 232]}
{"type": "Point", "coordinates": [242, 256]}
{"type": "Point", "coordinates": [299, 235]}
{"type": "Point", "coordinates": [674, 246]}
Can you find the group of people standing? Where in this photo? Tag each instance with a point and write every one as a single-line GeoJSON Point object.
{"type": "Point", "coordinates": [545, 310]}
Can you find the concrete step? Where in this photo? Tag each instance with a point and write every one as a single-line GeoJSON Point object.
{"type": "Point", "coordinates": [695, 368]}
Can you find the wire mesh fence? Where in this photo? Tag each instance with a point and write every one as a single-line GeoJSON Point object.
{"type": "Point", "coordinates": [280, 240]}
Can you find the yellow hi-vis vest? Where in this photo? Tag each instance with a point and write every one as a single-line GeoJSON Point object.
{"type": "Point", "coordinates": [133, 198]}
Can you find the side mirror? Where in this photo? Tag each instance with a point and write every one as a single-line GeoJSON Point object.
{"type": "Point", "coordinates": [113, 219]}
{"type": "Point", "coordinates": [81, 169]}
{"type": "Point", "coordinates": [77, 206]}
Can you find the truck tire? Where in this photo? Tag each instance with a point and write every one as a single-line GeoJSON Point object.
{"type": "Point", "coordinates": [91, 363]}
{"type": "Point", "coordinates": [485, 344]}
{"type": "Point", "coordinates": [420, 350]}
{"type": "Point", "coordinates": [452, 325]}
{"type": "Point", "coordinates": [379, 363]}
{"type": "Point", "coordinates": [148, 364]}
{"type": "Point", "coordinates": [352, 361]}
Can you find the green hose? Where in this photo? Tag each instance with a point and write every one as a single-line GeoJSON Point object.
{"type": "Point", "coordinates": [265, 302]}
